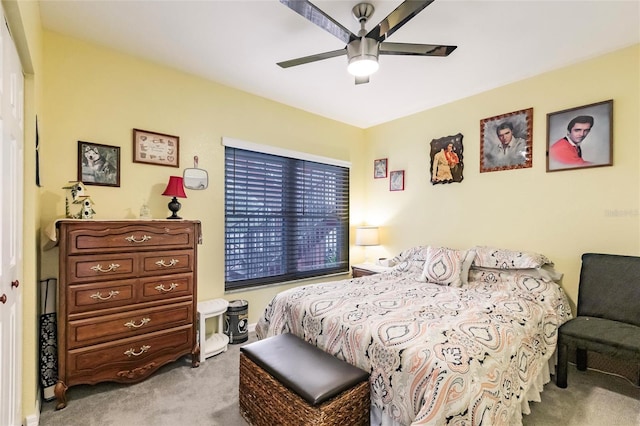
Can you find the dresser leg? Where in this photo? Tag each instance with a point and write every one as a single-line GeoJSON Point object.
{"type": "Point", "coordinates": [195, 356]}
{"type": "Point", "coordinates": [60, 391]}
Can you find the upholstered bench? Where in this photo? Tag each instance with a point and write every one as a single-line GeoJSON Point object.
{"type": "Point", "coordinates": [608, 320]}
{"type": "Point", "coordinates": [287, 381]}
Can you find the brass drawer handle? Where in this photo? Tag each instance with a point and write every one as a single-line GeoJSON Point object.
{"type": "Point", "coordinates": [132, 352]}
{"type": "Point", "coordinates": [132, 324]}
{"type": "Point", "coordinates": [132, 239]}
{"type": "Point", "coordinates": [173, 286]}
{"type": "Point", "coordinates": [172, 262]}
{"type": "Point", "coordinates": [98, 268]}
{"type": "Point", "coordinates": [98, 295]}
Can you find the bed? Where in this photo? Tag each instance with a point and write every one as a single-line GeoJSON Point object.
{"type": "Point", "coordinates": [461, 337]}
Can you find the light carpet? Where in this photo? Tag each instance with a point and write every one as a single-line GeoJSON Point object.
{"type": "Point", "coordinates": [208, 395]}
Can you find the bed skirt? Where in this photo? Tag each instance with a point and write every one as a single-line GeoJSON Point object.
{"type": "Point", "coordinates": [378, 418]}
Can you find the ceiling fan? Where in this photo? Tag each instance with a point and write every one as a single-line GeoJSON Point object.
{"type": "Point", "coordinates": [362, 50]}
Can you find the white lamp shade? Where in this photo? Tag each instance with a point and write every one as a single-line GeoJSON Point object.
{"type": "Point", "coordinates": [367, 236]}
{"type": "Point", "coordinates": [363, 66]}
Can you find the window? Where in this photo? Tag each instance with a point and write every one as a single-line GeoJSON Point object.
{"type": "Point", "coordinates": [285, 218]}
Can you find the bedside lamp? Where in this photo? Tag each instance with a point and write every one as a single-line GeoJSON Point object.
{"type": "Point", "coordinates": [367, 236]}
{"type": "Point", "coordinates": [175, 189]}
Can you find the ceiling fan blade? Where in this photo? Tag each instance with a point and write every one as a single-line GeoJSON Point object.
{"type": "Point", "coordinates": [387, 48]}
{"type": "Point", "coordinates": [312, 58]}
{"type": "Point", "coordinates": [396, 19]}
{"type": "Point", "coordinates": [362, 80]}
{"type": "Point", "coordinates": [312, 13]}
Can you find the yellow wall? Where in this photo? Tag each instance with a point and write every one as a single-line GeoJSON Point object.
{"type": "Point", "coordinates": [561, 214]}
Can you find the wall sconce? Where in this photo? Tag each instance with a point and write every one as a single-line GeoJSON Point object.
{"type": "Point", "coordinates": [367, 236]}
{"type": "Point", "coordinates": [175, 189]}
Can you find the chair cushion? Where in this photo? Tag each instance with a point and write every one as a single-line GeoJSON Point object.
{"type": "Point", "coordinates": [604, 336]}
{"type": "Point", "coordinates": [313, 374]}
{"type": "Point", "coordinates": [610, 287]}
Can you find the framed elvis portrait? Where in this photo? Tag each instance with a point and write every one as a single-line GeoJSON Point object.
{"type": "Point", "coordinates": [506, 141]}
{"type": "Point", "coordinates": [580, 137]}
{"type": "Point", "coordinates": [396, 180]}
{"type": "Point", "coordinates": [380, 168]}
{"type": "Point", "coordinates": [447, 159]}
{"type": "Point", "coordinates": [98, 164]}
{"type": "Point", "coordinates": [156, 148]}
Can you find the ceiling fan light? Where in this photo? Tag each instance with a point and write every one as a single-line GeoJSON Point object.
{"type": "Point", "coordinates": [363, 66]}
{"type": "Point", "coordinates": [363, 57]}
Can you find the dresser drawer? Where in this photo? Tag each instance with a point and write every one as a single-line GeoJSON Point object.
{"type": "Point", "coordinates": [166, 287]}
{"type": "Point", "coordinates": [167, 262]}
{"type": "Point", "coordinates": [127, 324]}
{"type": "Point", "coordinates": [103, 295]}
{"type": "Point", "coordinates": [104, 237]}
{"type": "Point", "coordinates": [128, 360]}
{"type": "Point", "coordinates": [100, 267]}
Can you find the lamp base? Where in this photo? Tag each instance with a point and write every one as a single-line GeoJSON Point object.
{"type": "Point", "coordinates": [174, 206]}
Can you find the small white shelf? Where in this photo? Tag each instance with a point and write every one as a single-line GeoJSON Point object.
{"type": "Point", "coordinates": [217, 342]}
{"type": "Point", "coordinates": [213, 345]}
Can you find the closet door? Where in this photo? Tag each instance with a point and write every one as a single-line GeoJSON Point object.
{"type": "Point", "coordinates": [11, 201]}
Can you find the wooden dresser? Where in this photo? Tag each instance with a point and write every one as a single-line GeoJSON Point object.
{"type": "Point", "coordinates": [127, 301]}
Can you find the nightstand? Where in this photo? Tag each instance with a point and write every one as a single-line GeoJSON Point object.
{"type": "Point", "coordinates": [363, 269]}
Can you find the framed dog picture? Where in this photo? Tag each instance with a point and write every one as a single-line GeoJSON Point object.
{"type": "Point", "coordinates": [156, 148]}
{"type": "Point", "coordinates": [98, 164]}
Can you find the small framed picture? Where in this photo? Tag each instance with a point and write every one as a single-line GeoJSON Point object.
{"type": "Point", "coordinates": [506, 141]}
{"type": "Point", "coordinates": [98, 164]}
{"type": "Point", "coordinates": [380, 168]}
{"type": "Point", "coordinates": [580, 137]}
{"type": "Point", "coordinates": [396, 180]}
{"type": "Point", "coordinates": [156, 148]}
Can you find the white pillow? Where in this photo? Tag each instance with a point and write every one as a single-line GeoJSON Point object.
{"type": "Point", "coordinates": [466, 265]}
{"type": "Point", "coordinates": [445, 266]}
{"type": "Point", "coordinates": [491, 257]}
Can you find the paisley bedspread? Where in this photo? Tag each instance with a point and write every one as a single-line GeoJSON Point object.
{"type": "Point", "coordinates": [436, 354]}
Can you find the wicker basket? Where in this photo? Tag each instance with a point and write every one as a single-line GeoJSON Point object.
{"type": "Point", "coordinates": [266, 402]}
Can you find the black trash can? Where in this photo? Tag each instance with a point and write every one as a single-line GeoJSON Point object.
{"type": "Point", "coordinates": [236, 321]}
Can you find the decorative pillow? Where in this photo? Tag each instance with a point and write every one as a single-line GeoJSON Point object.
{"type": "Point", "coordinates": [417, 253]}
{"type": "Point", "coordinates": [546, 273]}
{"type": "Point", "coordinates": [466, 265]}
{"type": "Point", "coordinates": [489, 257]}
{"type": "Point", "coordinates": [444, 266]}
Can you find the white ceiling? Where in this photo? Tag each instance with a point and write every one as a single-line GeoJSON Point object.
{"type": "Point", "coordinates": [238, 42]}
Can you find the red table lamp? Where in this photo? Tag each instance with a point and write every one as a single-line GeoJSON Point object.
{"type": "Point", "coordinates": [175, 189]}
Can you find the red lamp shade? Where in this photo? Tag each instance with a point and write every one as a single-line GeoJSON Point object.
{"type": "Point", "coordinates": [175, 187]}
